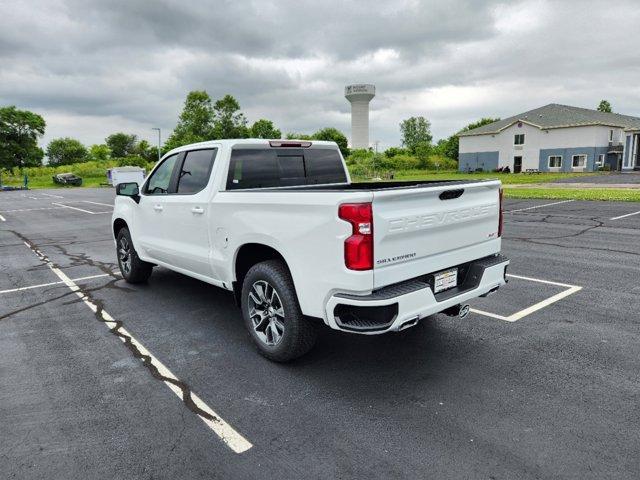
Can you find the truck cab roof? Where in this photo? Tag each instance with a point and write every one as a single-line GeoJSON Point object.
{"type": "Point", "coordinates": [250, 141]}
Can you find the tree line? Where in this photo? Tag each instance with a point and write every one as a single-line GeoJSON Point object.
{"type": "Point", "coordinates": [203, 119]}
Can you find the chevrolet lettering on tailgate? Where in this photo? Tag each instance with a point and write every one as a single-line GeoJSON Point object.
{"type": "Point", "coordinates": [418, 222]}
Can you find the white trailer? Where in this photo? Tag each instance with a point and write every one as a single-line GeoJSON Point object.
{"type": "Point", "coordinates": [118, 175]}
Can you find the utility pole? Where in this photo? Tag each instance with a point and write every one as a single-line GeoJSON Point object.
{"type": "Point", "coordinates": [159, 141]}
{"type": "Point", "coordinates": [375, 157]}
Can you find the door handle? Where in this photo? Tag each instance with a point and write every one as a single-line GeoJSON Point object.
{"type": "Point", "coordinates": [198, 210]}
{"type": "Point", "coordinates": [158, 208]}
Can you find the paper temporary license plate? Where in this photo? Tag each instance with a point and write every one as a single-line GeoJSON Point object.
{"type": "Point", "coordinates": [445, 280]}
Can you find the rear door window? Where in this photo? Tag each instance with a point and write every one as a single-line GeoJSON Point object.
{"type": "Point", "coordinates": [196, 170]}
{"type": "Point", "coordinates": [280, 167]}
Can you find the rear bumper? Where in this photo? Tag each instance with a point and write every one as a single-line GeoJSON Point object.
{"type": "Point", "coordinates": [401, 305]}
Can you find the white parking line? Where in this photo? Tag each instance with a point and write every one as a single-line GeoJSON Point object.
{"type": "Point", "coordinates": [625, 216]}
{"type": "Point", "coordinates": [20, 289]}
{"type": "Point", "coordinates": [51, 195]}
{"type": "Point", "coordinates": [98, 203]}
{"type": "Point", "coordinates": [234, 440]}
{"type": "Point", "coordinates": [31, 209]}
{"type": "Point", "coordinates": [76, 208]}
{"type": "Point", "coordinates": [570, 290]}
{"type": "Point", "coordinates": [2, 218]}
{"type": "Point", "coordinates": [73, 208]}
{"type": "Point", "coordinates": [538, 206]}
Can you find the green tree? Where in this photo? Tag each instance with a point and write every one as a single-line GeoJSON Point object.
{"type": "Point", "coordinates": [228, 120]}
{"type": "Point", "coordinates": [121, 144]}
{"type": "Point", "coordinates": [333, 135]}
{"type": "Point", "coordinates": [65, 151]}
{"type": "Point", "coordinates": [145, 150]}
{"type": "Point", "coordinates": [298, 136]}
{"type": "Point", "coordinates": [605, 106]}
{"type": "Point", "coordinates": [415, 131]}
{"type": "Point", "coordinates": [195, 123]}
{"type": "Point", "coordinates": [422, 152]}
{"type": "Point", "coordinates": [449, 147]}
{"type": "Point", "coordinates": [99, 153]}
{"type": "Point", "coordinates": [19, 133]}
{"type": "Point", "coordinates": [265, 129]}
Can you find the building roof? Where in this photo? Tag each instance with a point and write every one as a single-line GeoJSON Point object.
{"type": "Point", "coordinates": [559, 116]}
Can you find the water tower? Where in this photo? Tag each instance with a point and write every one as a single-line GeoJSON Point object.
{"type": "Point", "coordinates": [359, 96]}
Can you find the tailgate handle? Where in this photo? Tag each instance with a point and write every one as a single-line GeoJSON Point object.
{"type": "Point", "coordinates": [451, 194]}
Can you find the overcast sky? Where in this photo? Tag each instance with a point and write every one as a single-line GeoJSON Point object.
{"type": "Point", "coordinates": [93, 67]}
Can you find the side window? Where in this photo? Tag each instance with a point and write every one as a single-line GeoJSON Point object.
{"type": "Point", "coordinates": [195, 171]}
{"type": "Point", "coordinates": [159, 180]}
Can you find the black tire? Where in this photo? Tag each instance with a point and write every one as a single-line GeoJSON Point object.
{"type": "Point", "coordinates": [299, 334]}
{"type": "Point", "coordinates": [133, 269]}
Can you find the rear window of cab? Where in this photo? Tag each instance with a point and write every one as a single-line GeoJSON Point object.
{"type": "Point", "coordinates": [284, 167]}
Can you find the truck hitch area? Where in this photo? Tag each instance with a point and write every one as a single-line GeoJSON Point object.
{"type": "Point", "coordinates": [459, 310]}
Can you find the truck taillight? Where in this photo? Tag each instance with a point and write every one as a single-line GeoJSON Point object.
{"type": "Point", "coordinates": [358, 248]}
{"type": "Point", "coordinates": [501, 216]}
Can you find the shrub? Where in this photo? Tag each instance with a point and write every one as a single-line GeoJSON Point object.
{"type": "Point", "coordinates": [393, 151]}
{"type": "Point", "coordinates": [132, 161]}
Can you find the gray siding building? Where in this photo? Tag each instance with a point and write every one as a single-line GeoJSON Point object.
{"type": "Point", "coordinates": [553, 138]}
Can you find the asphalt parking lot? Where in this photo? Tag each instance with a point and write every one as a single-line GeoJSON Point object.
{"type": "Point", "coordinates": [627, 178]}
{"type": "Point", "coordinates": [541, 381]}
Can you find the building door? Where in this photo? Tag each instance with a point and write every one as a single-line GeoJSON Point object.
{"type": "Point", "coordinates": [517, 164]}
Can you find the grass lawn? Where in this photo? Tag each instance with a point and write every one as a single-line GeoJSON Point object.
{"type": "Point", "coordinates": [92, 174]}
{"type": "Point", "coordinates": [506, 178]}
{"type": "Point", "coordinates": [606, 194]}
{"type": "Point", "coordinates": [47, 182]}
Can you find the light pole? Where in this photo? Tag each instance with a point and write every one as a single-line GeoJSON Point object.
{"type": "Point", "coordinates": [375, 157]}
{"type": "Point", "coordinates": [159, 141]}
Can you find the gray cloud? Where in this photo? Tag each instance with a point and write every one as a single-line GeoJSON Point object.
{"type": "Point", "coordinates": [95, 66]}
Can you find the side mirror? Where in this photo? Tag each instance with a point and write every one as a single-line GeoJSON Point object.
{"type": "Point", "coordinates": [129, 189]}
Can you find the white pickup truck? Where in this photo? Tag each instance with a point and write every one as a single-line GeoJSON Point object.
{"type": "Point", "coordinates": [280, 224]}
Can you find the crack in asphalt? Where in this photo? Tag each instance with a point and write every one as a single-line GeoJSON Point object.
{"type": "Point", "coordinates": [116, 329]}
{"type": "Point", "coordinates": [546, 219]}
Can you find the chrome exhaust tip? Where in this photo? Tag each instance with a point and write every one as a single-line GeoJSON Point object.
{"type": "Point", "coordinates": [412, 322]}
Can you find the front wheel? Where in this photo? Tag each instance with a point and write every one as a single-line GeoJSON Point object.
{"type": "Point", "coordinates": [272, 314]}
{"type": "Point", "coordinates": [132, 268]}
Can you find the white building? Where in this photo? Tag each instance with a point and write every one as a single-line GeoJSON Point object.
{"type": "Point", "coordinates": [555, 138]}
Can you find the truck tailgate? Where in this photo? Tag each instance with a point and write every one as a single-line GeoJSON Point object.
{"type": "Point", "coordinates": [430, 228]}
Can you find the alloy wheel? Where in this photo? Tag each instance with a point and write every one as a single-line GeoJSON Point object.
{"type": "Point", "coordinates": [124, 254]}
{"type": "Point", "coordinates": [266, 312]}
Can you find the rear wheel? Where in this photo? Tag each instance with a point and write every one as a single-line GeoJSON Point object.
{"type": "Point", "coordinates": [132, 268]}
{"type": "Point", "coordinates": [272, 314]}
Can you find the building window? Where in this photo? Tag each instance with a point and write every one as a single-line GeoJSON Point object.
{"type": "Point", "coordinates": [555, 161]}
{"type": "Point", "coordinates": [600, 161]}
{"type": "Point", "coordinates": [518, 139]}
{"type": "Point", "coordinates": [610, 136]}
{"type": "Point", "coordinates": [579, 161]}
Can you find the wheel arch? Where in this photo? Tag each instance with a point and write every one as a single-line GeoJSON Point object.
{"type": "Point", "coordinates": [119, 224]}
{"type": "Point", "coordinates": [246, 257]}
